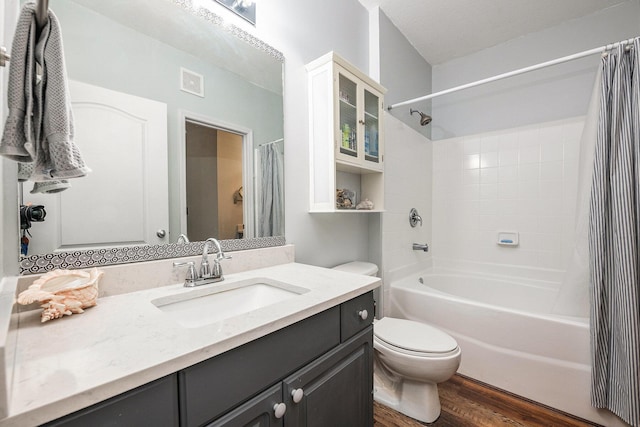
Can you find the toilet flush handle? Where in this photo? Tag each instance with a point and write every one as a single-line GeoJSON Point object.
{"type": "Point", "coordinates": [297, 395]}
{"type": "Point", "coordinates": [363, 314]}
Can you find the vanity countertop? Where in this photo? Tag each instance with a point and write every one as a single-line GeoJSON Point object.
{"type": "Point", "coordinates": [125, 341]}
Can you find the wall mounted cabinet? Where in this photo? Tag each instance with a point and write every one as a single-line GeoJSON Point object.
{"type": "Point", "coordinates": [346, 135]}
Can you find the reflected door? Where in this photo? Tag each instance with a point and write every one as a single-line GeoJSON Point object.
{"type": "Point", "coordinates": [214, 182]}
{"type": "Point", "coordinates": [124, 200]}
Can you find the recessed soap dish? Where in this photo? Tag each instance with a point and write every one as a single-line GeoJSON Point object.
{"type": "Point", "coordinates": [508, 238]}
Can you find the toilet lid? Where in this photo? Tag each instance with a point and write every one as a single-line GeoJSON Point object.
{"type": "Point", "coordinates": [414, 336]}
{"type": "Point", "coordinates": [358, 267]}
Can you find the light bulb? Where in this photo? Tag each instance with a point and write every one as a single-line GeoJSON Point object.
{"type": "Point", "coordinates": [244, 4]}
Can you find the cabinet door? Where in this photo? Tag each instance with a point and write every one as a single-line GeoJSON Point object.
{"type": "Point", "coordinates": [336, 389]}
{"type": "Point", "coordinates": [372, 133]}
{"type": "Point", "coordinates": [358, 112]}
{"type": "Point", "coordinates": [215, 386]}
{"type": "Point", "coordinates": [264, 410]}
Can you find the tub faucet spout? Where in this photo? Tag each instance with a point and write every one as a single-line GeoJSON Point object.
{"type": "Point", "coordinates": [421, 247]}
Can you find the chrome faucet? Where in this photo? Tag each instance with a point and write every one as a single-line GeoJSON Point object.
{"type": "Point", "coordinates": [205, 269]}
{"type": "Point", "coordinates": [421, 247]}
{"type": "Point", "coordinates": [208, 274]}
{"type": "Point", "coordinates": [182, 238]}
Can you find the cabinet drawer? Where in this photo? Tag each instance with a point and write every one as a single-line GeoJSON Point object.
{"type": "Point", "coordinates": [352, 313]}
{"type": "Point", "coordinates": [153, 404]}
{"type": "Point", "coordinates": [213, 387]}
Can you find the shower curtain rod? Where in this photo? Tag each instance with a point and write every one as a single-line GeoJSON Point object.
{"type": "Point", "coordinates": [515, 72]}
{"type": "Point", "coordinates": [271, 142]}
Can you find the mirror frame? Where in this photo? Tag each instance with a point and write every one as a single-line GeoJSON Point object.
{"type": "Point", "coordinates": [42, 263]}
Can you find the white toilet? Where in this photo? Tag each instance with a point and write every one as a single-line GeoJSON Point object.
{"type": "Point", "coordinates": [410, 359]}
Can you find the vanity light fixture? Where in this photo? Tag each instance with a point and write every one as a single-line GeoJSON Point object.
{"type": "Point", "coordinates": [246, 9]}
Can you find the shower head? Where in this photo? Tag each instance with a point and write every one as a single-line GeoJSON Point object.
{"type": "Point", "coordinates": [425, 119]}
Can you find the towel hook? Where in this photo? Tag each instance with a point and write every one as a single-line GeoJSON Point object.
{"type": "Point", "coordinates": [42, 13]}
{"type": "Point", "coordinates": [42, 16]}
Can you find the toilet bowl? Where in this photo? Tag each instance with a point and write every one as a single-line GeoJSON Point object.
{"type": "Point", "coordinates": [410, 359]}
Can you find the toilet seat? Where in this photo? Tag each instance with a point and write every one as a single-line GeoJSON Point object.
{"type": "Point", "coordinates": [413, 338]}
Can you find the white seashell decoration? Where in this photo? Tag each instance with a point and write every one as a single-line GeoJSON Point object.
{"type": "Point", "coordinates": [366, 204]}
{"type": "Point", "coordinates": [63, 292]}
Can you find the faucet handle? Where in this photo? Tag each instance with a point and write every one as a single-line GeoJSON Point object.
{"type": "Point", "coordinates": [221, 255]}
{"type": "Point", "coordinates": [414, 218]}
{"type": "Point", "coordinates": [192, 275]}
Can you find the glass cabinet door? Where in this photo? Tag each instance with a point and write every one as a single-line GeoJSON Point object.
{"type": "Point", "coordinates": [348, 116]}
{"type": "Point", "coordinates": [371, 127]}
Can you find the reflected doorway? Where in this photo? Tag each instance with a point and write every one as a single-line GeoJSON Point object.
{"type": "Point", "coordinates": [214, 182]}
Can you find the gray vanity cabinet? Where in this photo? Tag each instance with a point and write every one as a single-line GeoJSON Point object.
{"type": "Point", "coordinates": [320, 369]}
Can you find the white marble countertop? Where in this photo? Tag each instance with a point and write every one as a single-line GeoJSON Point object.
{"type": "Point", "coordinates": [126, 341]}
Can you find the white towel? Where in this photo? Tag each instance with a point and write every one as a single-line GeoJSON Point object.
{"type": "Point", "coordinates": [39, 128]}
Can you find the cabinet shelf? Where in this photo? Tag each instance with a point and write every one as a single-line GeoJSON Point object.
{"type": "Point", "coordinates": [348, 104]}
{"type": "Point", "coordinates": [348, 151]}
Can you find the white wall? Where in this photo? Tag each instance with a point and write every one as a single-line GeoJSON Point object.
{"type": "Point", "coordinates": [303, 33]}
{"type": "Point", "coordinates": [404, 73]}
{"type": "Point", "coordinates": [554, 93]}
{"type": "Point", "coordinates": [522, 179]}
{"type": "Point", "coordinates": [408, 182]}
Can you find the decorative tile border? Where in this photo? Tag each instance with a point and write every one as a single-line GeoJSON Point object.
{"type": "Point", "coordinates": [234, 30]}
{"type": "Point", "coordinates": [36, 264]}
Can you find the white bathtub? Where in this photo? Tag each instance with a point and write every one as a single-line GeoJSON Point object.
{"type": "Point", "coordinates": [508, 335]}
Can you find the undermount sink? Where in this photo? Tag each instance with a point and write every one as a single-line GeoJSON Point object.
{"type": "Point", "coordinates": [216, 302]}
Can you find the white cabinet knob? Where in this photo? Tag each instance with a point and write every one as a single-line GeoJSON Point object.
{"type": "Point", "coordinates": [279, 409]}
{"type": "Point", "coordinates": [363, 314]}
{"type": "Point", "coordinates": [297, 395]}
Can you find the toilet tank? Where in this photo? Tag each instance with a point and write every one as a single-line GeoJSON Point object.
{"type": "Point", "coordinates": [358, 267]}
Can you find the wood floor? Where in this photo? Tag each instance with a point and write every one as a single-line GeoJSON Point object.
{"type": "Point", "coordinates": [467, 403]}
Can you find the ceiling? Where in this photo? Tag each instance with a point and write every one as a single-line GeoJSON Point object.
{"type": "Point", "coordinates": [442, 30]}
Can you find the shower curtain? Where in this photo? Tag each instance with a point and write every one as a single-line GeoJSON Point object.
{"type": "Point", "coordinates": [614, 239]}
{"type": "Point", "coordinates": [573, 298]}
{"type": "Point", "coordinates": [271, 192]}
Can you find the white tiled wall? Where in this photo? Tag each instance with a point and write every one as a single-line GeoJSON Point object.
{"type": "Point", "coordinates": [522, 179]}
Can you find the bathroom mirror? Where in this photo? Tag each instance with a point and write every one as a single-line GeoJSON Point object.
{"type": "Point", "coordinates": [173, 54]}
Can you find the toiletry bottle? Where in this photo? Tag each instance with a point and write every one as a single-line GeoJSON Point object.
{"type": "Point", "coordinates": [367, 136]}
{"type": "Point", "coordinates": [374, 140]}
{"type": "Point", "coordinates": [346, 135]}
